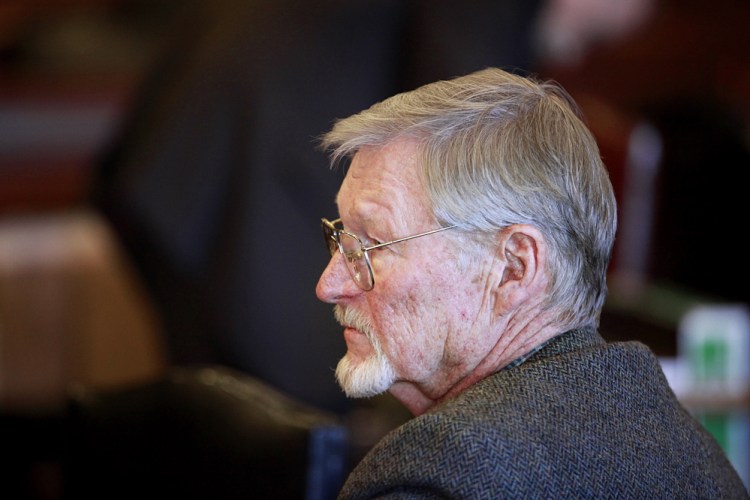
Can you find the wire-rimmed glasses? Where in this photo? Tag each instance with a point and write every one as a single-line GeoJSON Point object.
{"type": "Point", "coordinates": [356, 254]}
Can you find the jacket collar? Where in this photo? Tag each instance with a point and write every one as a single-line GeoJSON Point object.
{"type": "Point", "coordinates": [572, 340]}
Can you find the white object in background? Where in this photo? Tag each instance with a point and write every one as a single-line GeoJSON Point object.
{"type": "Point", "coordinates": [714, 342]}
{"type": "Point", "coordinates": [714, 350]}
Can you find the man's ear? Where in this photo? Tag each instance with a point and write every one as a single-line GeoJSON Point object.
{"type": "Point", "coordinates": [522, 250]}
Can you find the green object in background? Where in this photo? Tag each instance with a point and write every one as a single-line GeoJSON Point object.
{"type": "Point", "coordinates": [717, 424]}
{"type": "Point", "coordinates": [714, 343]}
{"type": "Point", "coordinates": [710, 359]}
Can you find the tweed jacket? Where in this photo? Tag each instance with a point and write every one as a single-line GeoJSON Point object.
{"type": "Point", "coordinates": [581, 418]}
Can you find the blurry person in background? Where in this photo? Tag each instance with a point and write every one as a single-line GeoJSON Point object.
{"type": "Point", "coordinates": [468, 269]}
{"type": "Point", "coordinates": [213, 186]}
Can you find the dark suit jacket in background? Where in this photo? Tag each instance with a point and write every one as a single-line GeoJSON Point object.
{"type": "Point", "coordinates": [216, 187]}
{"type": "Point", "coordinates": [579, 419]}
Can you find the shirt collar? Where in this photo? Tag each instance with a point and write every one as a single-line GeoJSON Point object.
{"type": "Point", "coordinates": [566, 341]}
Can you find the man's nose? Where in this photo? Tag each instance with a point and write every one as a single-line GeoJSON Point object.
{"type": "Point", "coordinates": [336, 284]}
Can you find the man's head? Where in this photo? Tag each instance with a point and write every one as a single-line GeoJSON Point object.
{"type": "Point", "coordinates": [507, 165]}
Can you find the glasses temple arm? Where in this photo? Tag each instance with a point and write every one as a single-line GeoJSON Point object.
{"type": "Point", "coordinates": [380, 245]}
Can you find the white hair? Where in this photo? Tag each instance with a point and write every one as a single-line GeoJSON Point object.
{"type": "Point", "coordinates": [498, 149]}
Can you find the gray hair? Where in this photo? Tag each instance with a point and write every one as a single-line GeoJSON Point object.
{"type": "Point", "coordinates": [499, 149]}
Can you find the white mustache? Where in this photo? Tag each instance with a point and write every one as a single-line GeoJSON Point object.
{"type": "Point", "coordinates": [351, 318]}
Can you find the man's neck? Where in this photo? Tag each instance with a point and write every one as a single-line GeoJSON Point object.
{"type": "Point", "coordinates": [518, 338]}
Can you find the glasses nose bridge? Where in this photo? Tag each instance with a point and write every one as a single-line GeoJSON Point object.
{"type": "Point", "coordinates": [334, 244]}
{"type": "Point", "coordinates": [331, 235]}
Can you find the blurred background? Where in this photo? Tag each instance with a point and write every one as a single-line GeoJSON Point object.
{"type": "Point", "coordinates": [161, 189]}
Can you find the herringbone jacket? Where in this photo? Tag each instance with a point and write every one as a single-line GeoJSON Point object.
{"type": "Point", "coordinates": [580, 418]}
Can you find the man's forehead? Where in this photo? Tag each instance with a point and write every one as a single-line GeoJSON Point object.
{"type": "Point", "coordinates": [383, 184]}
{"type": "Point", "coordinates": [389, 166]}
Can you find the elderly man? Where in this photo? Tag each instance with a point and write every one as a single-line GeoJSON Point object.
{"type": "Point", "coordinates": [468, 270]}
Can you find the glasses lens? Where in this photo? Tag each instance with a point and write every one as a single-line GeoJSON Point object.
{"type": "Point", "coordinates": [356, 261]}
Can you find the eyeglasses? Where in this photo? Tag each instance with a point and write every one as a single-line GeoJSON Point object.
{"type": "Point", "coordinates": [356, 254]}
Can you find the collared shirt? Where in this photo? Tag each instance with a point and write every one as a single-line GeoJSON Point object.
{"type": "Point", "coordinates": [521, 359]}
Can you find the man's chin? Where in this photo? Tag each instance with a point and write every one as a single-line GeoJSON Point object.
{"type": "Point", "coordinates": [367, 378]}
